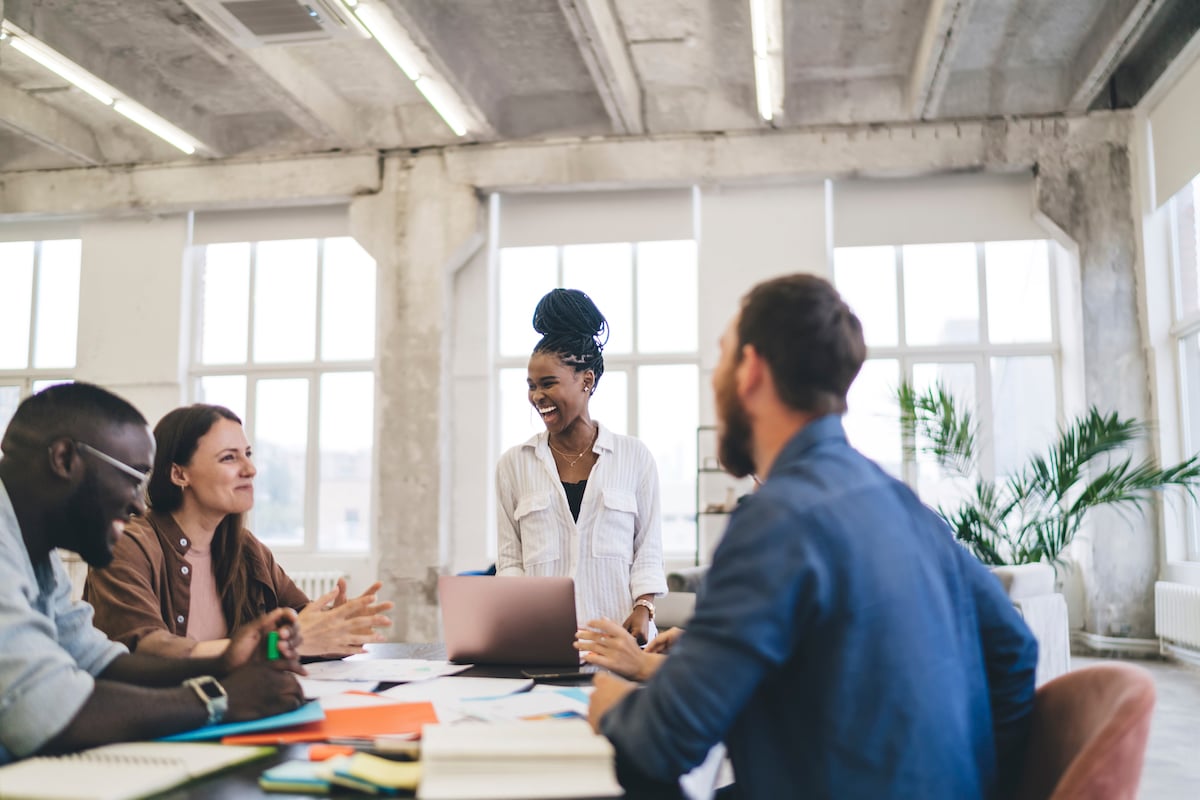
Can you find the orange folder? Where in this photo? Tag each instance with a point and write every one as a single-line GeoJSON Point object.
{"type": "Point", "coordinates": [362, 722]}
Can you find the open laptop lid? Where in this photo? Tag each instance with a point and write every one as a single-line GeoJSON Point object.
{"type": "Point", "coordinates": [510, 619]}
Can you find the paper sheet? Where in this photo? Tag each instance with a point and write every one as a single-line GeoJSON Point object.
{"type": "Point", "coordinates": [452, 689]}
{"type": "Point", "coordinates": [396, 670]}
{"type": "Point", "coordinates": [524, 706]}
{"type": "Point", "coordinates": [318, 690]}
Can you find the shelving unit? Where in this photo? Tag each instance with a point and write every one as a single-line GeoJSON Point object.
{"type": "Point", "coordinates": [717, 493]}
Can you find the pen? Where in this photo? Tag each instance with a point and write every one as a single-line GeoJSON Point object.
{"type": "Point", "coordinates": [273, 646]}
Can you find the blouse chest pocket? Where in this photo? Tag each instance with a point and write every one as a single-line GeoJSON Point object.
{"type": "Point", "coordinates": [537, 529]}
{"type": "Point", "coordinates": [614, 531]}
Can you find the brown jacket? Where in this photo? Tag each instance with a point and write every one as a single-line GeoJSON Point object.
{"type": "Point", "coordinates": [147, 587]}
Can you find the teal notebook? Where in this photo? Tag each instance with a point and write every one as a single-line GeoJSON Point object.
{"type": "Point", "coordinates": [309, 712]}
{"type": "Point", "coordinates": [296, 776]}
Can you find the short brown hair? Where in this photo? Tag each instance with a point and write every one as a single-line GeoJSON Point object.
{"type": "Point", "coordinates": [810, 339]}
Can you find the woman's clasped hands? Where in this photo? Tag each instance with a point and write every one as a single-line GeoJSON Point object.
{"type": "Point", "coordinates": [336, 626]}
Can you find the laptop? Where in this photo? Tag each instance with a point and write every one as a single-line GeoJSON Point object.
{"type": "Point", "coordinates": [509, 619]}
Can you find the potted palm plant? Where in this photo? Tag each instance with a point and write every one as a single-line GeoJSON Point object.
{"type": "Point", "coordinates": [1034, 514]}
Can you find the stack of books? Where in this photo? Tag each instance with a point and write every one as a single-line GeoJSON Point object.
{"type": "Point", "coordinates": [539, 759]}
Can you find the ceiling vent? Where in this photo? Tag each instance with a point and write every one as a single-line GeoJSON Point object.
{"type": "Point", "coordinates": [254, 23]}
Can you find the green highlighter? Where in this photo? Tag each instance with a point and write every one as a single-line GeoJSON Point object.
{"type": "Point", "coordinates": [273, 646]}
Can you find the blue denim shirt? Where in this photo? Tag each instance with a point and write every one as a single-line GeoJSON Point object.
{"type": "Point", "coordinates": [845, 646]}
{"type": "Point", "coordinates": [49, 651]}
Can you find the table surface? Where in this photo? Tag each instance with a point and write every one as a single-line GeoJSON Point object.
{"type": "Point", "coordinates": [241, 782]}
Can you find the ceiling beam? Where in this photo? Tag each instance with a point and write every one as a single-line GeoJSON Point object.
{"type": "Point", "coordinates": [1121, 24]}
{"type": "Point", "coordinates": [298, 90]}
{"type": "Point", "coordinates": [601, 41]}
{"type": "Point", "coordinates": [1005, 146]}
{"type": "Point", "coordinates": [38, 122]}
{"type": "Point", "coordinates": [193, 185]}
{"type": "Point", "coordinates": [944, 25]}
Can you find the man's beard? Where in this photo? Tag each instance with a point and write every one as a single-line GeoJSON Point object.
{"type": "Point", "coordinates": [83, 528]}
{"type": "Point", "coordinates": [734, 446]}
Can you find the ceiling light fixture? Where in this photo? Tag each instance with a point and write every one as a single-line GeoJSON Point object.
{"type": "Point", "coordinates": [396, 41]}
{"type": "Point", "coordinates": [79, 77]}
{"type": "Point", "coordinates": [766, 28]}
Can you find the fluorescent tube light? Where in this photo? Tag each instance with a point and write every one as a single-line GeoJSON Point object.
{"type": "Point", "coordinates": [766, 27]}
{"type": "Point", "coordinates": [398, 44]}
{"type": "Point", "coordinates": [444, 102]}
{"type": "Point", "coordinates": [77, 76]}
{"type": "Point", "coordinates": [152, 122]}
{"type": "Point", "coordinates": [58, 64]}
{"type": "Point", "coordinates": [392, 38]}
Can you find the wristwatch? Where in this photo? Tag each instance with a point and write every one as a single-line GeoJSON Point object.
{"type": "Point", "coordinates": [212, 694]}
{"type": "Point", "coordinates": [646, 604]}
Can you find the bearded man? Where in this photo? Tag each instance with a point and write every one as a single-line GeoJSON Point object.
{"type": "Point", "coordinates": [845, 645]}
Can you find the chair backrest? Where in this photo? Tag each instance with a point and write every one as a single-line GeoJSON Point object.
{"type": "Point", "coordinates": [1089, 734]}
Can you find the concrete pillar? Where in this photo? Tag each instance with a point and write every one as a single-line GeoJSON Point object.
{"type": "Point", "coordinates": [413, 227]}
{"type": "Point", "coordinates": [1084, 188]}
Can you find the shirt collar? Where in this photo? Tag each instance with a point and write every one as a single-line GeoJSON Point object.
{"type": "Point", "coordinates": [605, 439]}
{"type": "Point", "coordinates": [823, 429]}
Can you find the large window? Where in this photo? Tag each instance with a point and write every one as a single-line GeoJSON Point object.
{"type": "Point", "coordinates": [286, 339]}
{"type": "Point", "coordinates": [648, 292]}
{"type": "Point", "coordinates": [39, 317]}
{"type": "Point", "coordinates": [1184, 214]}
{"type": "Point", "coordinates": [977, 318]}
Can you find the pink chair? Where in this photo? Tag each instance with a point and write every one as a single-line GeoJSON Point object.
{"type": "Point", "coordinates": [1089, 735]}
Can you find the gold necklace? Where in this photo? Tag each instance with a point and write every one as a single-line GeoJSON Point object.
{"type": "Point", "coordinates": [574, 460]}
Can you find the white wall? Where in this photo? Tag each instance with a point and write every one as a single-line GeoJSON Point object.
{"type": "Point", "coordinates": [746, 235]}
{"type": "Point", "coordinates": [133, 310]}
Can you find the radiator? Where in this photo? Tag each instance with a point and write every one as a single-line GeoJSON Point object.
{"type": "Point", "coordinates": [1177, 613]}
{"type": "Point", "coordinates": [316, 582]}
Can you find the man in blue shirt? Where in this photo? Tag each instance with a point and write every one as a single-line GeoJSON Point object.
{"type": "Point", "coordinates": [74, 468]}
{"type": "Point", "coordinates": [845, 645]}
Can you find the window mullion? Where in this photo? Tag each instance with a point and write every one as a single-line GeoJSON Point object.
{"type": "Point", "coordinates": [251, 304]}
{"type": "Point", "coordinates": [33, 306]}
{"type": "Point", "coordinates": [312, 460]}
{"type": "Point", "coordinates": [981, 295]}
{"type": "Point", "coordinates": [631, 404]}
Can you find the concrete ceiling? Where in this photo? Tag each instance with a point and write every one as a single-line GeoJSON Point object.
{"type": "Point", "coordinates": [539, 69]}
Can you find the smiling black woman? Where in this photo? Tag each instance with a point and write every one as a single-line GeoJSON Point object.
{"type": "Point", "coordinates": [580, 500]}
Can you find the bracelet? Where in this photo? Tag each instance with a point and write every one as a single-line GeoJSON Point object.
{"type": "Point", "coordinates": [646, 604]}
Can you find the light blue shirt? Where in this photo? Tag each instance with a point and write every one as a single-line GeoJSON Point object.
{"type": "Point", "coordinates": [50, 652]}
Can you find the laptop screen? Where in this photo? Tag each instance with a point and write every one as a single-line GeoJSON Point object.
{"type": "Point", "coordinates": [509, 619]}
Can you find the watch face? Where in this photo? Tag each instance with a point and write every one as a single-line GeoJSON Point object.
{"type": "Point", "coordinates": [212, 689]}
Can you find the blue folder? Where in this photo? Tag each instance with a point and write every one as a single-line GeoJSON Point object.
{"type": "Point", "coordinates": [309, 712]}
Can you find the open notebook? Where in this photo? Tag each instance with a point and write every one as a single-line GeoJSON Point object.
{"type": "Point", "coordinates": [119, 771]}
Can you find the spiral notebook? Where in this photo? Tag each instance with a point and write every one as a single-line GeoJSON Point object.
{"type": "Point", "coordinates": [119, 771]}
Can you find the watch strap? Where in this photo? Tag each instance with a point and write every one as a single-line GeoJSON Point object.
{"type": "Point", "coordinates": [212, 694]}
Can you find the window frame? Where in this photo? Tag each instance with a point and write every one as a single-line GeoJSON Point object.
{"type": "Point", "coordinates": [26, 378]}
{"type": "Point", "coordinates": [311, 370]}
{"type": "Point", "coordinates": [979, 354]}
{"type": "Point", "coordinates": [1182, 326]}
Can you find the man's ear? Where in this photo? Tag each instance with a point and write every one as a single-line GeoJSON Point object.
{"type": "Point", "coordinates": [750, 371]}
{"type": "Point", "coordinates": [62, 455]}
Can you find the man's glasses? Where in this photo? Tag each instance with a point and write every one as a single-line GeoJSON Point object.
{"type": "Point", "coordinates": [143, 478]}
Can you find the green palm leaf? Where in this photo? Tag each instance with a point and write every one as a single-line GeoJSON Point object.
{"type": "Point", "coordinates": [1034, 514]}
